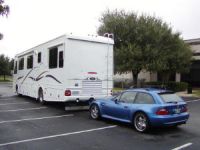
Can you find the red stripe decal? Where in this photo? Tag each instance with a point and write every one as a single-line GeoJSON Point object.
{"type": "Point", "coordinates": [92, 72]}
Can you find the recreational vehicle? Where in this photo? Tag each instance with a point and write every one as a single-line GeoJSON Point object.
{"type": "Point", "coordinates": [67, 68]}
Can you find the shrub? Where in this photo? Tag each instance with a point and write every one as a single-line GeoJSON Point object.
{"type": "Point", "coordinates": [171, 85]}
{"type": "Point", "coordinates": [123, 84]}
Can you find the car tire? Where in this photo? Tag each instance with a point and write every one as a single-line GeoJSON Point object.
{"type": "Point", "coordinates": [141, 122]}
{"type": "Point", "coordinates": [95, 112]}
{"type": "Point", "coordinates": [175, 126]}
{"type": "Point", "coordinates": [41, 97]}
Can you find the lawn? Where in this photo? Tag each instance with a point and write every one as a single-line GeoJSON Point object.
{"type": "Point", "coordinates": [117, 89]}
{"type": "Point", "coordinates": [8, 79]}
{"type": "Point", "coordinates": [196, 92]}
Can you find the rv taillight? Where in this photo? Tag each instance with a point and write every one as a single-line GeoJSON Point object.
{"type": "Point", "coordinates": [68, 93]}
{"type": "Point", "coordinates": [92, 72]}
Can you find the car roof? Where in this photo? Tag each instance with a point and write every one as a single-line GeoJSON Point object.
{"type": "Point", "coordinates": [150, 90]}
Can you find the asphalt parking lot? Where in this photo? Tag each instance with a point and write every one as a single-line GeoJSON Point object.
{"type": "Point", "coordinates": [26, 124]}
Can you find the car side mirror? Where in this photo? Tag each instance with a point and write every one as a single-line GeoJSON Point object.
{"type": "Point", "coordinates": [116, 101]}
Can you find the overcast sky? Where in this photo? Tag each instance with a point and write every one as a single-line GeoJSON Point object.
{"type": "Point", "coordinates": [32, 22]}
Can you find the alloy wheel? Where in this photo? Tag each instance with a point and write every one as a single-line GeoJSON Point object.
{"type": "Point", "coordinates": [94, 112]}
{"type": "Point", "coordinates": [141, 122]}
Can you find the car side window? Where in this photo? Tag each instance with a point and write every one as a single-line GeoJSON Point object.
{"type": "Point", "coordinates": [128, 97]}
{"type": "Point", "coordinates": [144, 98]}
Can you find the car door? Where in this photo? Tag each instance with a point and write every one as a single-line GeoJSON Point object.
{"type": "Point", "coordinates": [121, 107]}
{"type": "Point", "coordinates": [108, 107]}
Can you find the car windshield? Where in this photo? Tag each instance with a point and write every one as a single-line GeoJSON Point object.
{"type": "Point", "coordinates": [170, 97]}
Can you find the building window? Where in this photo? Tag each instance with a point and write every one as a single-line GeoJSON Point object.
{"type": "Point", "coordinates": [30, 62]}
{"type": "Point", "coordinates": [61, 59]}
{"type": "Point", "coordinates": [39, 57]}
{"type": "Point", "coordinates": [15, 69]}
{"type": "Point", "coordinates": [53, 57]}
{"type": "Point", "coordinates": [21, 64]}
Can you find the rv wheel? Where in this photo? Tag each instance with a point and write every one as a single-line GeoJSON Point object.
{"type": "Point", "coordinates": [41, 97]}
{"type": "Point", "coordinates": [16, 89]}
{"type": "Point", "coordinates": [17, 92]}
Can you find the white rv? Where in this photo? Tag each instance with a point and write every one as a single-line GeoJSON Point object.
{"type": "Point", "coordinates": [68, 68]}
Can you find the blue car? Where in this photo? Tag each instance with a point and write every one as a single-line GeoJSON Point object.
{"type": "Point", "coordinates": [144, 108]}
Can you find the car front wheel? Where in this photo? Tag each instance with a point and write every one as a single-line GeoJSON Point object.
{"type": "Point", "coordinates": [94, 112]}
{"type": "Point", "coordinates": [141, 122]}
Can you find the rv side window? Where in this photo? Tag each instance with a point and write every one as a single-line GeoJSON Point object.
{"type": "Point", "coordinates": [53, 57]}
{"type": "Point", "coordinates": [61, 59]}
{"type": "Point", "coordinates": [39, 57]}
{"type": "Point", "coordinates": [30, 62]}
{"type": "Point", "coordinates": [15, 69]}
{"type": "Point", "coordinates": [21, 64]}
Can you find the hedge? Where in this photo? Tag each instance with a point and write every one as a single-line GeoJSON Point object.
{"type": "Point", "coordinates": [124, 85]}
{"type": "Point", "coordinates": [171, 85]}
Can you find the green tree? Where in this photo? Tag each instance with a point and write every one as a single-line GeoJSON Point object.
{"type": "Point", "coordinates": [144, 42]}
{"type": "Point", "coordinates": [11, 64]}
{"type": "Point", "coordinates": [4, 66]}
{"type": "Point", "coordinates": [175, 54]}
{"type": "Point", "coordinates": [4, 10]}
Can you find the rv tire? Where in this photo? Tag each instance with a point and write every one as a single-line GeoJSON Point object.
{"type": "Point", "coordinates": [17, 92]}
{"type": "Point", "coordinates": [41, 96]}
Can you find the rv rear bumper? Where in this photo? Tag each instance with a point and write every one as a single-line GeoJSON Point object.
{"type": "Point", "coordinates": [82, 98]}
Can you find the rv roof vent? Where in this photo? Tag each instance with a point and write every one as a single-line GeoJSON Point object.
{"type": "Point", "coordinates": [109, 35]}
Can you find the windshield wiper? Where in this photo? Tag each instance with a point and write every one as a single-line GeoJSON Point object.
{"type": "Point", "coordinates": [175, 102]}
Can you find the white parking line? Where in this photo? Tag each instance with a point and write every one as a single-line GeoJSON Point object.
{"type": "Point", "coordinates": [28, 119]}
{"type": "Point", "coordinates": [183, 146]}
{"type": "Point", "coordinates": [57, 135]}
{"type": "Point", "coordinates": [11, 97]}
{"type": "Point", "coordinates": [25, 109]}
{"type": "Point", "coordinates": [14, 103]}
{"type": "Point", "coordinates": [6, 99]}
{"type": "Point", "coordinates": [196, 100]}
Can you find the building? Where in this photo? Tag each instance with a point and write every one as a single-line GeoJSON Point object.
{"type": "Point", "coordinates": [193, 76]}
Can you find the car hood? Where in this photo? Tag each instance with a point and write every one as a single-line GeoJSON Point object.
{"type": "Point", "coordinates": [105, 99]}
